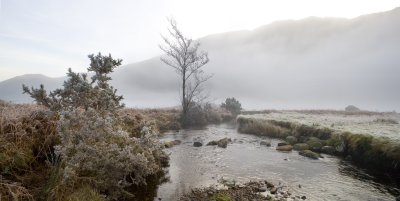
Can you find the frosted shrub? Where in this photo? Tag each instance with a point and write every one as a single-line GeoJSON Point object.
{"type": "Point", "coordinates": [95, 150]}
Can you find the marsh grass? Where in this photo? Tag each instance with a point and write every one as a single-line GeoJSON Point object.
{"type": "Point", "coordinates": [262, 128]}
{"type": "Point", "coordinates": [377, 153]}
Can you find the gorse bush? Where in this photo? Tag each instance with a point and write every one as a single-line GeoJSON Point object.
{"type": "Point", "coordinates": [79, 92]}
{"type": "Point", "coordinates": [95, 149]}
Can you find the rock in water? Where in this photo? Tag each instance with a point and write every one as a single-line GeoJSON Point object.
{"type": "Point", "coordinates": [309, 154]}
{"type": "Point", "coordinates": [273, 190]}
{"type": "Point", "coordinates": [328, 149]}
{"type": "Point", "coordinates": [315, 144]}
{"type": "Point", "coordinates": [265, 143]}
{"type": "Point", "coordinates": [197, 144]}
{"type": "Point", "coordinates": [284, 148]}
{"type": "Point", "coordinates": [282, 144]}
{"type": "Point", "coordinates": [300, 146]}
{"type": "Point", "coordinates": [291, 140]}
{"type": "Point", "coordinates": [224, 142]}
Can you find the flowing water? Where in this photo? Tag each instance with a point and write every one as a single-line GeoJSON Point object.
{"type": "Point", "coordinates": [244, 159]}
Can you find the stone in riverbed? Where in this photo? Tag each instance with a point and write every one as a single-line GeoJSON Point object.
{"type": "Point", "coordinates": [273, 190]}
{"type": "Point", "coordinates": [282, 144]}
{"type": "Point", "coordinates": [315, 144]}
{"type": "Point", "coordinates": [328, 150]}
{"type": "Point", "coordinates": [265, 143]}
{"type": "Point", "coordinates": [300, 146]}
{"type": "Point", "coordinates": [269, 184]}
{"type": "Point", "coordinates": [212, 143]}
{"type": "Point", "coordinates": [291, 140]}
{"type": "Point", "coordinates": [284, 148]}
{"type": "Point", "coordinates": [223, 143]}
{"type": "Point", "coordinates": [262, 189]}
{"type": "Point", "coordinates": [309, 154]}
{"type": "Point", "coordinates": [197, 144]}
{"type": "Point", "coordinates": [171, 143]}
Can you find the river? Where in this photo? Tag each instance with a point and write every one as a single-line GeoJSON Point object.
{"type": "Point", "coordinates": [244, 159]}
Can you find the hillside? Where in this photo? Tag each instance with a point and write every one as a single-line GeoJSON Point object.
{"type": "Point", "coordinates": [309, 63]}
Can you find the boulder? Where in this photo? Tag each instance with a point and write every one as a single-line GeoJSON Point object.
{"type": "Point", "coordinates": [168, 144]}
{"type": "Point", "coordinates": [284, 148]}
{"type": "Point", "coordinates": [315, 144]}
{"type": "Point", "coordinates": [269, 184]}
{"type": "Point", "coordinates": [301, 146]}
{"type": "Point", "coordinates": [273, 190]}
{"type": "Point", "coordinates": [223, 143]}
{"type": "Point", "coordinates": [309, 154]}
{"type": "Point", "coordinates": [197, 144]}
{"type": "Point", "coordinates": [328, 150]}
{"type": "Point", "coordinates": [265, 143]}
{"type": "Point", "coordinates": [282, 144]}
{"type": "Point", "coordinates": [291, 140]}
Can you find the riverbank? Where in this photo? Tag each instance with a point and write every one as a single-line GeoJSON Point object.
{"type": "Point", "coordinates": [261, 190]}
{"type": "Point", "coordinates": [246, 158]}
{"type": "Point", "coordinates": [368, 139]}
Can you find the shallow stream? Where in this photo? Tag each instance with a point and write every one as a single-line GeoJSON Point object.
{"type": "Point", "coordinates": [244, 159]}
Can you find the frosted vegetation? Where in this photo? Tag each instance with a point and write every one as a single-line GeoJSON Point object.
{"type": "Point", "coordinates": [371, 123]}
{"type": "Point", "coordinates": [96, 151]}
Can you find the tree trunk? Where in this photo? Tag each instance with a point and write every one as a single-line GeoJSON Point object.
{"type": "Point", "coordinates": [184, 104]}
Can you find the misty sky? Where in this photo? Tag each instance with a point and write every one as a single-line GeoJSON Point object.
{"type": "Point", "coordinates": [47, 36]}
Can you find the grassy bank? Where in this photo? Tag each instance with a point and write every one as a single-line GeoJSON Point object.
{"type": "Point", "coordinates": [372, 151]}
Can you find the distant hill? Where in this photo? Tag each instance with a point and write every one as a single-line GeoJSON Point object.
{"type": "Point", "coordinates": [308, 63]}
{"type": "Point", "coordinates": [11, 89]}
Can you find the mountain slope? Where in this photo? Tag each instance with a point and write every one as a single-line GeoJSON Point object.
{"type": "Point", "coordinates": [309, 63]}
{"type": "Point", "coordinates": [11, 89]}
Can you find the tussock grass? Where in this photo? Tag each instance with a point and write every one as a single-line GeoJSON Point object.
{"type": "Point", "coordinates": [377, 153]}
{"type": "Point", "coordinates": [261, 127]}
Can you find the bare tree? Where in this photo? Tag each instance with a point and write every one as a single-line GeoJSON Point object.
{"type": "Point", "coordinates": [184, 56]}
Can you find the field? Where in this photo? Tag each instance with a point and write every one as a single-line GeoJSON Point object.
{"type": "Point", "coordinates": [370, 123]}
{"type": "Point", "coordinates": [370, 139]}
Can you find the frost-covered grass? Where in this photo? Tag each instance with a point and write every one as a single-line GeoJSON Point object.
{"type": "Point", "coordinates": [370, 139]}
{"type": "Point", "coordinates": [371, 123]}
{"type": "Point", "coordinates": [96, 156]}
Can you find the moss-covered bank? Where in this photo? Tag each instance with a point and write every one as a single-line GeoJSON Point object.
{"type": "Point", "coordinates": [376, 153]}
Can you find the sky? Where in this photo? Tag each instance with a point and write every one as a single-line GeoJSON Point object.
{"type": "Point", "coordinates": [47, 36]}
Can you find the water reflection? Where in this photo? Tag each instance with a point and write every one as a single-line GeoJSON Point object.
{"type": "Point", "coordinates": [382, 182]}
{"type": "Point", "coordinates": [244, 160]}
